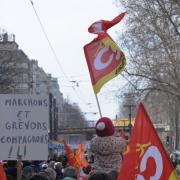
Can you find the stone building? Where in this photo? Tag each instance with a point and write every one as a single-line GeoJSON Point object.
{"type": "Point", "coordinates": [14, 68]}
{"type": "Point", "coordinates": [20, 75]}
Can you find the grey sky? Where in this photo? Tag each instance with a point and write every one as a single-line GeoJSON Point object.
{"type": "Point", "coordinates": [66, 23]}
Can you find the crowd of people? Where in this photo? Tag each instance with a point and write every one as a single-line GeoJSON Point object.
{"type": "Point", "coordinates": [103, 164]}
{"type": "Point", "coordinates": [55, 169]}
{"type": "Point", "coordinates": [175, 159]}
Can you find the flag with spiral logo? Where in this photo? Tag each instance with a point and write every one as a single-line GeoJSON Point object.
{"type": "Point", "coordinates": [104, 58]}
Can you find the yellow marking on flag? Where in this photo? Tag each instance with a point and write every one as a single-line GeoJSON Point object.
{"type": "Point", "coordinates": [173, 176]}
{"type": "Point", "coordinates": [141, 147]}
{"type": "Point", "coordinates": [127, 150]}
{"type": "Point", "coordinates": [109, 76]}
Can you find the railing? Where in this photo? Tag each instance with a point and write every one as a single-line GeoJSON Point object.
{"type": "Point", "coordinates": [82, 125]}
{"type": "Point", "coordinates": [85, 128]}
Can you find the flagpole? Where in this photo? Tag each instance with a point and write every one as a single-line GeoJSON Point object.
{"type": "Point", "coordinates": [98, 105]}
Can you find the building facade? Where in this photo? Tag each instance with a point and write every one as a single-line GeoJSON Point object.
{"type": "Point", "coordinates": [20, 75]}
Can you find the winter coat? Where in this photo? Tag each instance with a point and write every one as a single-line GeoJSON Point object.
{"type": "Point", "coordinates": [107, 152]}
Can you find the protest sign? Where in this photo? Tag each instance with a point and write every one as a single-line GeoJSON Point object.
{"type": "Point", "coordinates": [24, 127]}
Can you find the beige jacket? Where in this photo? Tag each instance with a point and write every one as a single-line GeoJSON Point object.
{"type": "Point", "coordinates": [107, 152]}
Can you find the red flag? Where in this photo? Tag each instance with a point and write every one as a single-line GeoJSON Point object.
{"type": "Point", "coordinates": [122, 134]}
{"type": "Point", "coordinates": [103, 25]}
{"type": "Point", "coordinates": [104, 58]}
{"type": "Point", "coordinates": [2, 173]}
{"type": "Point", "coordinates": [146, 157]}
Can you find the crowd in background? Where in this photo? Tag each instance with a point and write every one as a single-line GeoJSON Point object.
{"type": "Point", "coordinates": [104, 163]}
{"type": "Point", "coordinates": [55, 169]}
{"type": "Point", "coordinates": [52, 169]}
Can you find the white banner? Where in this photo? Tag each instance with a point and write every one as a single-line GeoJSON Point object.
{"type": "Point", "coordinates": [24, 126]}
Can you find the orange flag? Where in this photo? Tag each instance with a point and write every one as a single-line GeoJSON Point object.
{"type": "Point", "coordinates": [104, 58]}
{"type": "Point", "coordinates": [2, 173]}
{"type": "Point", "coordinates": [145, 157]}
{"type": "Point", "coordinates": [80, 156]}
{"type": "Point", "coordinates": [71, 158]}
{"type": "Point", "coordinates": [79, 151]}
{"type": "Point", "coordinates": [78, 160]}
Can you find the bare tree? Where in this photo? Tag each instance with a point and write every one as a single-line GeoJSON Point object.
{"type": "Point", "coordinates": [152, 42]}
{"type": "Point", "coordinates": [128, 101]}
{"type": "Point", "coordinates": [71, 116]}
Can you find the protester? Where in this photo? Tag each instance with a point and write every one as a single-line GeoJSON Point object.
{"type": "Point", "coordinates": [98, 175]}
{"type": "Point", "coordinates": [87, 169]}
{"type": "Point", "coordinates": [11, 169]}
{"type": "Point", "coordinates": [51, 173]}
{"type": "Point", "coordinates": [173, 159]}
{"type": "Point", "coordinates": [38, 177]}
{"type": "Point", "coordinates": [70, 173]}
{"type": "Point", "coordinates": [107, 148]}
{"type": "Point", "coordinates": [51, 164]}
{"type": "Point", "coordinates": [63, 158]}
{"type": "Point", "coordinates": [44, 166]}
{"type": "Point", "coordinates": [178, 169]}
{"type": "Point", "coordinates": [27, 172]}
{"type": "Point", "coordinates": [58, 168]}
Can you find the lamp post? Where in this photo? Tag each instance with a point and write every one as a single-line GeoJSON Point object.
{"type": "Point", "coordinates": [129, 106]}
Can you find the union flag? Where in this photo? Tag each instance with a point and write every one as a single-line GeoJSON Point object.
{"type": "Point", "coordinates": [145, 158]}
{"type": "Point", "coordinates": [104, 58]}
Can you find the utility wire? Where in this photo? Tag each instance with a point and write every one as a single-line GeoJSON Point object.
{"type": "Point", "coordinates": [46, 36]}
{"type": "Point", "coordinates": [52, 49]}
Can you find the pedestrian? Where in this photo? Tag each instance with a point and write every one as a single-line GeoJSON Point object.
{"type": "Point", "coordinates": [58, 168]}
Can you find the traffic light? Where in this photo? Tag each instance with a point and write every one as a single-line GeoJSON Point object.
{"type": "Point", "coordinates": [167, 140]}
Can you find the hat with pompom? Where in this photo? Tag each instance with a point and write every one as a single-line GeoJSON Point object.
{"type": "Point", "coordinates": [104, 127]}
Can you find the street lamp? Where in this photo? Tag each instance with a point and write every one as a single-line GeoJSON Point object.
{"type": "Point", "coordinates": [129, 106]}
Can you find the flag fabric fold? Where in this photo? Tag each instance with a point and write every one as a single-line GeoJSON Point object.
{"type": "Point", "coordinates": [103, 25]}
{"type": "Point", "coordinates": [71, 158]}
{"type": "Point", "coordinates": [104, 58]}
{"type": "Point", "coordinates": [146, 157]}
{"type": "Point", "coordinates": [80, 156]}
{"type": "Point", "coordinates": [78, 160]}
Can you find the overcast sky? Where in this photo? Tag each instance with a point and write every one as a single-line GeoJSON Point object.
{"type": "Point", "coordinates": [66, 23]}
